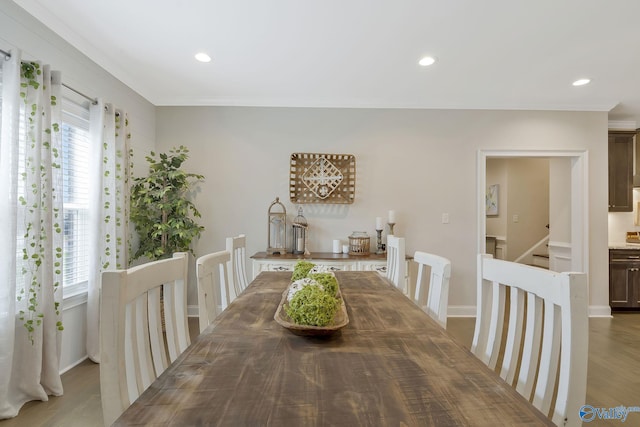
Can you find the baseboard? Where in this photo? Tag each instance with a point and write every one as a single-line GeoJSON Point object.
{"type": "Point", "coordinates": [192, 311]}
{"type": "Point", "coordinates": [599, 311]}
{"type": "Point", "coordinates": [461, 311]}
{"type": "Point", "coordinates": [73, 365]}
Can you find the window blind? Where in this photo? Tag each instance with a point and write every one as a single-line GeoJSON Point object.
{"type": "Point", "coordinates": [75, 166]}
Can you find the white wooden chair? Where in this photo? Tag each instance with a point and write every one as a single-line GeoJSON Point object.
{"type": "Point", "coordinates": [438, 295]}
{"type": "Point", "coordinates": [238, 265]}
{"type": "Point", "coordinates": [213, 286]}
{"type": "Point", "coordinates": [396, 263]}
{"type": "Point", "coordinates": [547, 333]}
{"type": "Point", "coordinates": [134, 351]}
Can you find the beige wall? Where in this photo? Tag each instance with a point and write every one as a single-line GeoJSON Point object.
{"type": "Point", "coordinates": [422, 163]}
{"type": "Point", "coordinates": [528, 200]}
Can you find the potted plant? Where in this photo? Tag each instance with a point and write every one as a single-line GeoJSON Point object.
{"type": "Point", "coordinates": [162, 214]}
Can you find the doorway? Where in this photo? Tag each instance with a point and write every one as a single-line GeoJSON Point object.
{"type": "Point", "coordinates": [578, 251]}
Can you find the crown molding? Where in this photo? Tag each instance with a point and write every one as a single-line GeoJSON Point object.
{"type": "Point", "coordinates": [622, 125]}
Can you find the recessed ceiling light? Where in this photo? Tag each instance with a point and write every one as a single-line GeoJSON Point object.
{"type": "Point", "coordinates": [426, 61]}
{"type": "Point", "coordinates": [581, 82]}
{"type": "Point", "coordinates": [203, 57]}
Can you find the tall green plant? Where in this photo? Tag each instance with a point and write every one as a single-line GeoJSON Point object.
{"type": "Point", "coordinates": [160, 210]}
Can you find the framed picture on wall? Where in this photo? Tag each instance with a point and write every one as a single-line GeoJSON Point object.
{"type": "Point", "coordinates": [491, 200]}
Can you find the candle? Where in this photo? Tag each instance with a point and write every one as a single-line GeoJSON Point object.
{"type": "Point", "coordinates": [379, 225]}
{"type": "Point", "coordinates": [392, 217]}
{"type": "Point", "coordinates": [336, 246]}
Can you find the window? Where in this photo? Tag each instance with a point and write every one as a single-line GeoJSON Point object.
{"type": "Point", "coordinates": [75, 153]}
{"type": "Point", "coordinates": [1, 95]}
{"type": "Point", "coordinates": [75, 166]}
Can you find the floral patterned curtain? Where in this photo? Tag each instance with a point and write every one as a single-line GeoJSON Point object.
{"type": "Point", "coordinates": [31, 234]}
{"type": "Point", "coordinates": [109, 211]}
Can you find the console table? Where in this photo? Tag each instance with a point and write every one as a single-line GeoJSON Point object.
{"type": "Point", "coordinates": [335, 262]}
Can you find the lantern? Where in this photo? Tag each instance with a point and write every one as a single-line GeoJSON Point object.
{"type": "Point", "coordinates": [277, 228]}
{"type": "Point", "coordinates": [299, 233]}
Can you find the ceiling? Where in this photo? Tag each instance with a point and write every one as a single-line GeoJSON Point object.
{"type": "Point", "coordinates": [491, 54]}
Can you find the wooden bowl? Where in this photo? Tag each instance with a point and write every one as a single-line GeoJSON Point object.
{"type": "Point", "coordinates": [340, 320]}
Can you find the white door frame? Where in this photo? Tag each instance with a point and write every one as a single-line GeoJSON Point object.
{"type": "Point", "coordinates": [579, 199]}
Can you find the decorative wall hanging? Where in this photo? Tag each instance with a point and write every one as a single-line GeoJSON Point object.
{"type": "Point", "coordinates": [322, 178]}
{"type": "Point", "coordinates": [491, 200]}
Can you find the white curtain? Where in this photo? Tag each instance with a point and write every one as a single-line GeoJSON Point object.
{"type": "Point", "coordinates": [109, 208]}
{"type": "Point", "coordinates": [31, 234]}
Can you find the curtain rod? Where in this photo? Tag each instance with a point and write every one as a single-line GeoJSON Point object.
{"type": "Point", "coordinates": [94, 101]}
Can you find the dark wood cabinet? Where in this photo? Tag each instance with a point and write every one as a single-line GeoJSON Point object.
{"type": "Point", "coordinates": [624, 278]}
{"type": "Point", "coordinates": [621, 171]}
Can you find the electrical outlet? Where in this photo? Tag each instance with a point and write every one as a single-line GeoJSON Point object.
{"type": "Point", "coordinates": [516, 218]}
{"type": "Point", "coordinates": [445, 218]}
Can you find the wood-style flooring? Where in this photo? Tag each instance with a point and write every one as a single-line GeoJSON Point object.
{"type": "Point", "coordinates": [613, 377]}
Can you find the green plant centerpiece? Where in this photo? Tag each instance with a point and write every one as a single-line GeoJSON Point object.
{"type": "Point", "coordinates": [312, 306]}
{"type": "Point", "coordinates": [161, 211]}
{"type": "Point", "coordinates": [313, 299]}
{"type": "Point", "coordinates": [301, 269]}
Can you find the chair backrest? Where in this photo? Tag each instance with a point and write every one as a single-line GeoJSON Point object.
{"type": "Point", "coordinates": [213, 286]}
{"type": "Point", "coordinates": [546, 338]}
{"type": "Point", "coordinates": [438, 295]}
{"type": "Point", "coordinates": [238, 265]}
{"type": "Point", "coordinates": [396, 263]}
{"type": "Point", "coordinates": [134, 351]}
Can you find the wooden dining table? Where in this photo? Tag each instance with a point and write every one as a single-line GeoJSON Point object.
{"type": "Point", "coordinates": [392, 365]}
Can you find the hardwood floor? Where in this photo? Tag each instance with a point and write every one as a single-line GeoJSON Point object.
{"type": "Point", "coordinates": [613, 378]}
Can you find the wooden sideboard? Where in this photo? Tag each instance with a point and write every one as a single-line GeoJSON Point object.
{"type": "Point", "coordinates": [336, 262]}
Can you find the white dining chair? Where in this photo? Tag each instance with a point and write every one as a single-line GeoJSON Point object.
{"type": "Point", "coordinates": [213, 286]}
{"type": "Point", "coordinates": [396, 263]}
{"type": "Point", "coordinates": [134, 349]}
{"type": "Point", "coordinates": [546, 337]}
{"type": "Point", "coordinates": [438, 283]}
{"type": "Point", "coordinates": [238, 264]}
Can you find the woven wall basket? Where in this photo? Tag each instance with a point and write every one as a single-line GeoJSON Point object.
{"type": "Point", "coordinates": [322, 178]}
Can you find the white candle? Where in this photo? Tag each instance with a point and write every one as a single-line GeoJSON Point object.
{"type": "Point", "coordinates": [392, 217]}
{"type": "Point", "coordinates": [337, 244]}
{"type": "Point", "coordinates": [379, 225]}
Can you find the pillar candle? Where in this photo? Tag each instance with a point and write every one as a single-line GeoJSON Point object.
{"type": "Point", "coordinates": [379, 224]}
{"type": "Point", "coordinates": [392, 217]}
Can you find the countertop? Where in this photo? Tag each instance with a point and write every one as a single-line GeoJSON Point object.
{"type": "Point", "coordinates": [623, 245]}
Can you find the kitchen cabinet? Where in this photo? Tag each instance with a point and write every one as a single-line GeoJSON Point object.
{"type": "Point", "coordinates": [624, 278]}
{"type": "Point", "coordinates": [621, 170]}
